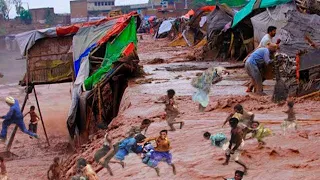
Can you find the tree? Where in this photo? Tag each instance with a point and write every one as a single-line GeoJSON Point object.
{"type": "Point", "coordinates": [18, 5]}
{"type": "Point", "coordinates": [5, 7]}
{"type": "Point", "coordinates": [25, 16]}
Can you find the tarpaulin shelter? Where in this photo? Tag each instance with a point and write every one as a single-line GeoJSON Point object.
{"type": "Point", "coordinates": [224, 42]}
{"type": "Point", "coordinates": [292, 27]}
{"type": "Point", "coordinates": [49, 53]}
{"type": "Point", "coordinates": [104, 57]}
{"type": "Point", "coordinates": [165, 27]}
{"type": "Point", "coordinates": [255, 5]}
{"type": "Point", "coordinates": [196, 29]}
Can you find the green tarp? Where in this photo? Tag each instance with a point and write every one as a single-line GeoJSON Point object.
{"type": "Point", "coordinates": [230, 3]}
{"type": "Point", "coordinates": [113, 52]}
{"type": "Point", "coordinates": [244, 12]}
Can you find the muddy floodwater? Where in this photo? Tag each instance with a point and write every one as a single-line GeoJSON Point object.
{"type": "Point", "coordinates": [293, 156]}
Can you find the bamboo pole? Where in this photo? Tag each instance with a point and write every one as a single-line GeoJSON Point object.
{"type": "Point", "coordinates": [44, 128]}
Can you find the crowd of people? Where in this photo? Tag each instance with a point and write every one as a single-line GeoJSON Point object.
{"type": "Point", "coordinates": [241, 122]}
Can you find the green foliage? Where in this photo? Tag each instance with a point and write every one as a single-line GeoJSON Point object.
{"type": "Point", "coordinates": [18, 5]}
{"type": "Point", "coordinates": [49, 17]}
{"type": "Point", "coordinates": [25, 16]}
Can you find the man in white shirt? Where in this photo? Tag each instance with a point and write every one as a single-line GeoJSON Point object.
{"type": "Point", "coordinates": [268, 37]}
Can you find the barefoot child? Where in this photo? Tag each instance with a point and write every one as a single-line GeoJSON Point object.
{"type": "Point", "coordinates": [161, 151]}
{"type": "Point", "coordinates": [290, 122]}
{"type": "Point", "coordinates": [34, 118]}
{"type": "Point", "coordinates": [171, 109]}
{"type": "Point", "coordinates": [219, 140]}
{"type": "Point", "coordinates": [245, 118]}
{"type": "Point", "coordinates": [236, 143]}
{"type": "Point", "coordinates": [85, 171]}
{"type": "Point", "coordinates": [119, 151]}
{"type": "Point", "coordinates": [54, 172]}
{"type": "Point", "coordinates": [259, 132]}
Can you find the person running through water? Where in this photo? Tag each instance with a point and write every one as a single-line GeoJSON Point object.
{"type": "Point", "coordinates": [118, 151]}
{"type": "Point", "coordinates": [259, 132]}
{"type": "Point", "coordinates": [14, 116]}
{"type": "Point", "coordinates": [161, 151]}
{"type": "Point", "coordinates": [171, 109]}
{"type": "Point", "coordinates": [236, 143]}
{"type": "Point", "coordinates": [289, 122]}
{"type": "Point", "coordinates": [218, 140]}
{"type": "Point", "coordinates": [245, 118]}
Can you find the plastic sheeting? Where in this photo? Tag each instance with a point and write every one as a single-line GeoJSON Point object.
{"type": "Point", "coordinates": [114, 51]}
{"type": "Point", "coordinates": [165, 26]}
{"type": "Point", "coordinates": [292, 27]}
{"type": "Point", "coordinates": [27, 39]}
{"type": "Point", "coordinates": [219, 18]}
{"type": "Point", "coordinates": [271, 17]}
{"type": "Point", "coordinates": [299, 25]}
{"type": "Point", "coordinates": [254, 4]}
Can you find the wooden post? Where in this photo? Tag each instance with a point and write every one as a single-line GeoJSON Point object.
{"type": "Point", "coordinates": [44, 128]}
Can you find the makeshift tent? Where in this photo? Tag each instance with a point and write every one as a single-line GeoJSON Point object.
{"type": "Point", "coordinates": [292, 27]}
{"type": "Point", "coordinates": [224, 42]}
{"type": "Point", "coordinates": [167, 28]}
{"type": "Point", "coordinates": [253, 5]}
{"type": "Point", "coordinates": [102, 63]}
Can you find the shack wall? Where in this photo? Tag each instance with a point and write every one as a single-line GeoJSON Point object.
{"type": "Point", "coordinates": [50, 61]}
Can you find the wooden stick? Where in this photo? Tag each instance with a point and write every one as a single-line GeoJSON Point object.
{"type": "Point", "coordinates": [309, 95]}
{"type": "Point", "coordinates": [44, 128]}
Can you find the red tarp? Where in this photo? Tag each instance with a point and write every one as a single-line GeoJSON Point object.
{"type": "Point", "coordinates": [72, 29]}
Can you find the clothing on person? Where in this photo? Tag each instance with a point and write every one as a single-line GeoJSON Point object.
{"type": "Point", "coordinates": [259, 57]}
{"type": "Point", "coordinates": [288, 125]}
{"type": "Point", "coordinates": [163, 145]}
{"type": "Point", "coordinates": [261, 132]}
{"type": "Point", "coordinates": [125, 147]}
{"type": "Point", "coordinates": [14, 113]}
{"type": "Point", "coordinates": [255, 75]}
{"type": "Point", "coordinates": [245, 118]}
{"type": "Point", "coordinates": [158, 156]}
{"type": "Point", "coordinates": [265, 40]}
{"type": "Point", "coordinates": [89, 173]}
{"type": "Point", "coordinates": [218, 139]}
{"type": "Point", "coordinates": [203, 84]}
{"type": "Point", "coordinates": [291, 115]}
{"type": "Point", "coordinates": [171, 109]}
{"type": "Point", "coordinates": [33, 127]}
{"type": "Point", "coordinates": [14, 116]}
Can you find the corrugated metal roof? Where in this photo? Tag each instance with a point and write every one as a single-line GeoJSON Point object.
{"type": "Point", "coordinates": [130, 2]}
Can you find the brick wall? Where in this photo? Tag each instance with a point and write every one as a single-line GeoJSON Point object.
{"type": "Point", "coordinates": [39, 15]}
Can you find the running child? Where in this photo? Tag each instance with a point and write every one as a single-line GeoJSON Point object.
{"type": "Point", "coordinates": [259, 132]}
{"type": "Point", "coordinates": [289, 122]}
{"type": "Point", "coordinates": [236, 143]}
{"type": "Point", "coordinates": [34, 118]}
{"type": "Point", "coordinates": [161, 151]}
{"type": "Point", "coordinates": [171, 109]}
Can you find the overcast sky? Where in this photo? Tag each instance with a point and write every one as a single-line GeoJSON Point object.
{"type": "Point", "coordinates": [60, 6]}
